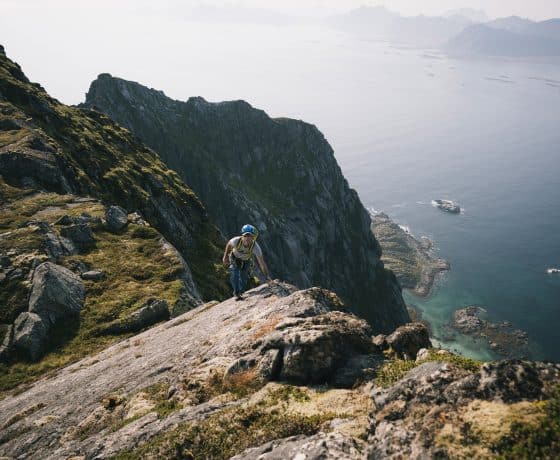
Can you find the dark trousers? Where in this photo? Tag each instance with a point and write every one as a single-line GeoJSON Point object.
{"type": "Point", "coordinates": [239, 275]}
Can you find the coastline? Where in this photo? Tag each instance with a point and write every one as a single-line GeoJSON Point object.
{"type": "Point", "coordinates": [409, 258]}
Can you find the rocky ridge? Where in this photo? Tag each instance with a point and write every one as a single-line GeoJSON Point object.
{"type": "Point", "coordinates": [240, 378]}
{"type": "Point", "coordinates": [278, 174]}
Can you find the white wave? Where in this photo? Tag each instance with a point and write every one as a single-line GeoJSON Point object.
{"type": "Point", "coordinates": [405, 229]}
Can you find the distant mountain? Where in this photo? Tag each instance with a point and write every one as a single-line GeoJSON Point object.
{"type": "Point", "coordinates": [380, 23]}
{"type": "Point", "coordinates": [470, 14]}
{"type": "Point", "coordinates": [461, 32]}
{"type": "Point", "coordinates": [512, 24]}
{"type": "Point", "coordinates": [548, 29]}
{"type": "Point", "coordinates": [485, 40]}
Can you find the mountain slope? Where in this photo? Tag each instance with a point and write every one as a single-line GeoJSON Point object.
{"type": "Point", "coordinates": [76, 272]}
{"type": "Point", "coordinates": [280, 175]}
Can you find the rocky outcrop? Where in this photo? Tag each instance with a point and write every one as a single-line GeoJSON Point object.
{"type": "Point", "coordinates": [501, 338]}
{"type": "Point", "coordinates": [278, 174]}
{"type": "Point", "coordinates": [188, 382]}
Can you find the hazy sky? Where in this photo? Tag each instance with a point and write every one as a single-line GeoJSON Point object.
{"type": "Point", "coordinates": [65, 44]}
{"type": "Point", "coordinates": [535, 9]}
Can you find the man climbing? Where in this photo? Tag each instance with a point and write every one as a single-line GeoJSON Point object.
{"type": "Point", "coordinates": [239, 256]}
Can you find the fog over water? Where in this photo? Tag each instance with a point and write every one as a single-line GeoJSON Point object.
{"type": "Point", "coordinates": [407, 126]}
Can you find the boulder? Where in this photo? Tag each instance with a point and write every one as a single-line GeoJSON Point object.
{"type": "Point", "coordinates": [116, 218]}
{"type": "Point", "coordinates": [56, 292]}
{"type": "Point", "coordinates": [80, 235]}
{"type": "Point", "coordinates": [57, 246]}
{"type": "Point", "coordinates": [29, 335]}
{"type": "Point", "coordinates": [407, 340]}
{"type": "Point", "coordinates": [93, 275]}
{"type": "Point", "coordinates": [313, 349]}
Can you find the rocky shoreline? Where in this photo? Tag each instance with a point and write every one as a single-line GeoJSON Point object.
{"type": "Point", "coordinates": [501, 338]}
{"type": "Point", "coordinates": [411, 259]}
{"type": "Point", "coordinates": [416, 269]}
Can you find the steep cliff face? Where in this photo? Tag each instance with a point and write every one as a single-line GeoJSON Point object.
{"type": "Point", "coordinates": [279, 174]}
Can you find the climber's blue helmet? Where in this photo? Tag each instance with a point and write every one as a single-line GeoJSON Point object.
{"type": "Point", "coordinates": [249, 229]}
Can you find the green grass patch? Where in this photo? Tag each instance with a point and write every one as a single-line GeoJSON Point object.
{"type": "Point", "coordinates": [18, 212]}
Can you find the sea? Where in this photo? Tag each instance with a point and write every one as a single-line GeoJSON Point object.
{"type": "Point", "coordinates": [407, 125]}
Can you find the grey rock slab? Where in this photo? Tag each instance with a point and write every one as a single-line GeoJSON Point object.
{"type": "Point", "coordinates": [212, 336]}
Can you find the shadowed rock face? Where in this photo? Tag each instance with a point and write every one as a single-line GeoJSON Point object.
{"type": "Point", "coordinates": [278, 174]}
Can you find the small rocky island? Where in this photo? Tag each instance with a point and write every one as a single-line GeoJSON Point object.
{"type": "Point", "coordinates": [447, 206]}
{"type": "Point", "coordinates": [410, 259]}
{"type": "Point", "coordinates": [501, 337]}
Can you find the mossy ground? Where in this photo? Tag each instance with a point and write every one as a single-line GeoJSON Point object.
{"type": "Point", "coordinates": [540, 439]}
{"type": "Point", "coordinates": [137, 269]}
